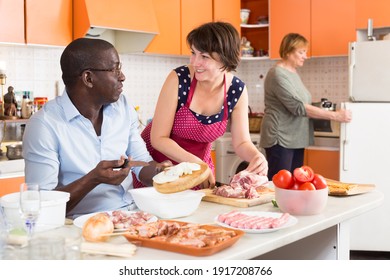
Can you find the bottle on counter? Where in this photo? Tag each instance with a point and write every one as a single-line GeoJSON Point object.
{"type": "Point", "coordinates": [26, 107]}
{"type": "Point", "coordinates": [19, 112]}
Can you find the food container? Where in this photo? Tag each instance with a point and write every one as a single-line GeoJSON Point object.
{"type": "Point", "coordinates": [167, 206]}
{"type": "Point", "coordinates": [52, 214]}
{"type": "Point", "coordinates": [244, 15]}
{"type": "Point", "coordinates": [39, 102]}
{"type": "Point", "coordinates": [14, 151]}
{"type": "Point", "coordinates": [300, 202]}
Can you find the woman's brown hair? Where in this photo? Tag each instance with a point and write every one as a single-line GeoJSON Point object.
{"type": "Point", "coordinates": [219, 37]}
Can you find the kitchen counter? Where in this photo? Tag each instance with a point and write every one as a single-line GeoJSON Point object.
{"type": "Point", "coordinates": [323, 236]}
{"type": "Point", "coordinates": [11, 168]}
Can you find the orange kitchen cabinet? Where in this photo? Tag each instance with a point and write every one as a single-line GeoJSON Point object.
{"type": "Point", "coordinates": [287, 16]}
{"type": "Point", "coordinates": [12, 21]}
{"type": "Point", "coordinates": [176, 18]}
{"type": "Point", "coordinates": [332, 27]}
{"type": "Point", "coordinates": [49, 22]}
{"type": "Point", "coordinates": [183, 16]}
{"type": "Point", "coordinates": [324, 162]}
{"type": "Point", "coordinates": [193, 14]}
{"type": "Point", "coordinates": [378, 10]}
{"type": "Point", "coordinates": [227, 11]}
{"type": "Point", "coordinates": [328, 25]}
{"type": "Point", "coordinates": [10, 185]}
{"type": "Point", "coordinates": [168, 19]}
{"type": "Point", "coordinates": [258, 36]}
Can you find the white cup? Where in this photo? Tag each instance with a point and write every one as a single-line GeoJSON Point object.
{"type": "Point", "coordinates": [244, 14]}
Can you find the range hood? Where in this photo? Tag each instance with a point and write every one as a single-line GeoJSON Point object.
{"type": "Point", "coordinates": [129, 25]}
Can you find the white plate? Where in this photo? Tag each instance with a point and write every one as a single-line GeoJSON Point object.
{"type": "Point", "coordinates": [79, 221]}
{"type": "Point", "coordinates": [291, 221]}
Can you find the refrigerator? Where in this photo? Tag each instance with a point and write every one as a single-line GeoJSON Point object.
{"type": "Point", "coordinates": [365, 141]}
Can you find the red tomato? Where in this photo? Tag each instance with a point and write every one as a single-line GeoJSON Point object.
{"type": "Point", "coordinates": [283, 179]}
{"type": "Point", "coordinates": [319, 182]}
{"type": "Point", "coordinates": [295, 186]}
{"type": "Point", "coordinates": [307, 186]}
{"type": "Point", "coordinates": [304, 174]}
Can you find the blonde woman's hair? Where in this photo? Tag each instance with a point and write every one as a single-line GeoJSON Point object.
{"type": "Point", "coordinates": [290, 43]}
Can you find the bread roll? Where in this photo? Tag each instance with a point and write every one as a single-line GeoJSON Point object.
{"type": "Point", "coordinates": [97, 225]}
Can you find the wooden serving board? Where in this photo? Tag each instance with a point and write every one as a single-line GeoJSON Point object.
{"type": "Point", "coordinates": [357, 189]}
{"type": "Point", "coordinates": [238, 202]}
{"type": "Point", "coordinates": [360, 188]}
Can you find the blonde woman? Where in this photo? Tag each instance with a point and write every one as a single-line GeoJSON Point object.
{"type": "Point", "coordinates": [287, 127]}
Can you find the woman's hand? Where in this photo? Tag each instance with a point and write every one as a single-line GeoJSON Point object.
{"type": "Point", "coordinates": [343, 115]}
{"type": "Point", "coordinates": [209, 183]}
{"type": "Point", "coordinates": [258, 165]}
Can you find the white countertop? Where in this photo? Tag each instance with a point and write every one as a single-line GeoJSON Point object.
{"type": "Point", "coordinates": [327, 228]}
{"type": "Point", "coordinates": [338, 210]}
{"type": "Point", "coordinates": [11, 168]}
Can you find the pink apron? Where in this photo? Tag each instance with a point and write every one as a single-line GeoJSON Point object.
{"type": "Point", "coordinates": [189, 133]}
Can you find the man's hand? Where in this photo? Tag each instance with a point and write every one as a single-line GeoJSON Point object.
{"type": "Point", "coordinates": [162, 165]}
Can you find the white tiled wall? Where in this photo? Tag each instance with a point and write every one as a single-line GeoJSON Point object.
{"type": "Point", "coordinates": [37, 69]}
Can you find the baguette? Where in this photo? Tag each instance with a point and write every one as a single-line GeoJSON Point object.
{"type": "Point", "coordinates": [184, 182]}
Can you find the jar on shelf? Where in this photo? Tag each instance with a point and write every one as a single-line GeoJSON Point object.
{"type": "Point", "coordinates": [244, 15]}
{"type": "Point", "coordinates": [39, 102]}
{"type": "Point", "coordinates": [246, 48]}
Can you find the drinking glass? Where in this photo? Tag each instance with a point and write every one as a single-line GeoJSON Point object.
{"type": "Point", "coordinates": [30, 205]}
{"type": "Point", "coordinates": [3, 233]}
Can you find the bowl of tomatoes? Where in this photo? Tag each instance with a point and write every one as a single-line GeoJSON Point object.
{"type": "Point", "coordinates": [302, 192]}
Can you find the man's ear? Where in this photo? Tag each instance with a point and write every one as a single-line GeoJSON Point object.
{"type": "Point", "coordinates": [87, 79]}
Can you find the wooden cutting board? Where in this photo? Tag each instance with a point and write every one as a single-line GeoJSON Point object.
{"type": "Point", "coordinates": [355, 189]}
{"type": "Point", "coordinates": [238, 202]}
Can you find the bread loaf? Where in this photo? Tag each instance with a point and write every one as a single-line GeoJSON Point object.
{"type": "Point", "coordinates": [185, 181]}
{"type": "Point", "coordinates": [97, 225]}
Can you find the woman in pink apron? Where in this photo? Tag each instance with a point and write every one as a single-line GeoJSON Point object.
{"type": "Point", "coordinates": [197, 100]}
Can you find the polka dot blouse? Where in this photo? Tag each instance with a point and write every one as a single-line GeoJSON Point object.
{"type": "Point", "coordinates": [233, 95]}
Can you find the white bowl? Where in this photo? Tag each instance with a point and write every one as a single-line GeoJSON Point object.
{"type": "Point", "coordinates": [52, 215]}
{"type": "Point", "coordinates": [167, 206]}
